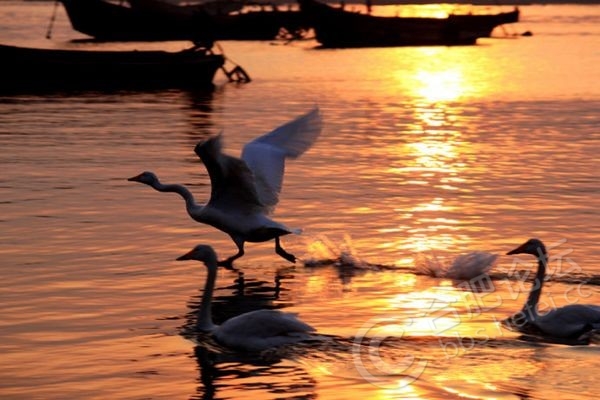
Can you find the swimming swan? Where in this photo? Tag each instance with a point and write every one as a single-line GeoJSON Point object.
{"type": "Point", "coordinates": [252, 331]}
{"type": "Point", "coordinates": [573, 321]}
{"type": "Point", "coordinates": [244, 191]}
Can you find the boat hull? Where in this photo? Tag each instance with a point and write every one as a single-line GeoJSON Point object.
{"type": "Point", "coordinates": [335, 27]}
{"type": "Point", "coordinates": [108, 21]}
{"type": "Point", "coordinates": [156, 20]}
{"type": "Point", "coordinates": [83, 69]}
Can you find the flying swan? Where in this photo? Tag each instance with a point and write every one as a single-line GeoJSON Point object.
{"type": "Point", "coordinates": [244, 191]}
{"type": "Point", "coordinates": [252, 331]}
{"type": "Point", "coordinates": [574, 321]}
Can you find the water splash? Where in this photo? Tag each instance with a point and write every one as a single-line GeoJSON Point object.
{"type": "Point", "coordinates": [323, 251]}
{"type": "Point", "coordinates": [463, 267]}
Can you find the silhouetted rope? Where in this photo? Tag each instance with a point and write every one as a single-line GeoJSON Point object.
{"type": "Point", "coordinates": [52, 19]}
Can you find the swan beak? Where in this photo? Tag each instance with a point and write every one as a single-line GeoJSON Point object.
{"type": "Point", "coordinates": [186, 256]}
{"type": "Point", "coordinates": [134, 178]}
{"type": "Point", "coordinates": [518, 250]}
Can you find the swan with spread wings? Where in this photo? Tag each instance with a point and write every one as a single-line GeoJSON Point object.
{"type": "Point", "coordinates": [245, 190]}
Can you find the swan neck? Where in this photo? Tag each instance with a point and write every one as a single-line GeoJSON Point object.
{"type": "Point", "coordinates": [205, 322]}
{"type": "Point", "coordinates": [190, 202]}
{"type": "Point", "coordinates": [536, 289]}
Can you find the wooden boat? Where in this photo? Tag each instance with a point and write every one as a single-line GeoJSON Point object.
{"type": "Point", "coordinates": [337, 28]}
{"type": "Point", "coordinates": [35, 68]}
{"type": "Point", "coordinates": [106, 20]}
{"type": "Point", "coordinates": [149, 20]}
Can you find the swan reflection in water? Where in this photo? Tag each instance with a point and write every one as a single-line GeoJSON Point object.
{"type": "Point", "coordinates": [227, 374]}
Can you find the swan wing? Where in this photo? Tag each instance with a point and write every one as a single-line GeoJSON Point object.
{"type": "Point", "coordinates": [264, 324]}
{"type": "Point", "coordinates": [568, 321]}
{"type": "Point", "coordinates": [232, 182]}
{"type": "Point", "coordinates": [266, 155]}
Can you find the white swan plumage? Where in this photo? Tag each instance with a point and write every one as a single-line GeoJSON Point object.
{"type": "Point", "coordinates": [244, 191]}
{"type": "Point", "coordinates": [573, 321]}
{"type": "Point", "coordinates": [252, 331]}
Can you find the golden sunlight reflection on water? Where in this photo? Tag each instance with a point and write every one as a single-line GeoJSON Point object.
{"type": "Point", "coordinates": [439, 76]}
{"type": "Point", "coordinates": [436, 155]}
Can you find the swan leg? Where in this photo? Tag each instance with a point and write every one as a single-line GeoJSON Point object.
{"type": "Point", "coordinates": [279, 250]}
{"type": "Point", "coordinates": [228, 263]}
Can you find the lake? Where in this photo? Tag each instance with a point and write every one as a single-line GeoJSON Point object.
{"type": "Point", "coordinates": [427, 154]}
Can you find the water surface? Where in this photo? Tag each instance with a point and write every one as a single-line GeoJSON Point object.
{"type": "Point", "coordinates": [427, 153]}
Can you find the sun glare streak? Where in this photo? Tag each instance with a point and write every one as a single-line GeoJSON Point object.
{"type": "Point", "coordinates": [436, 204]}
{"type": "Point", "coordinates": [418, 241]}
{"type": "Point", "coordinates": [402, 391]}
{"type": "Point", "coordinates": [434, 162]}
{"type": "Point", "coordinates": [442, 75]}
{"type": "Point", "coordinates": [432, 155]}
{"type": "Point", "coordinates": [440, 85]}
{"type": "Point", "coordinates": [440, 311]}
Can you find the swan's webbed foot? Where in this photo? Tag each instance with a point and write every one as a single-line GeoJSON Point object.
{"type": "Point", "coordinates": [228, 264]}
{"type": "Point", "coordinates": [279, 250]}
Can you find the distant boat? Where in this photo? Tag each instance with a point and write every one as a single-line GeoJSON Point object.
{"type": "Point", "coordinates": [108, 20]}
{"type": "Point", "coordinates": [212, 7]}
{"type": "Point", "coordinates": [224, 19]}
{"type": "Point", "coordinates": [336, 28]}
{"type": "Point", "coordinates": [158, 20]}
{"type": "Point", "coordinates": [36, 68]}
